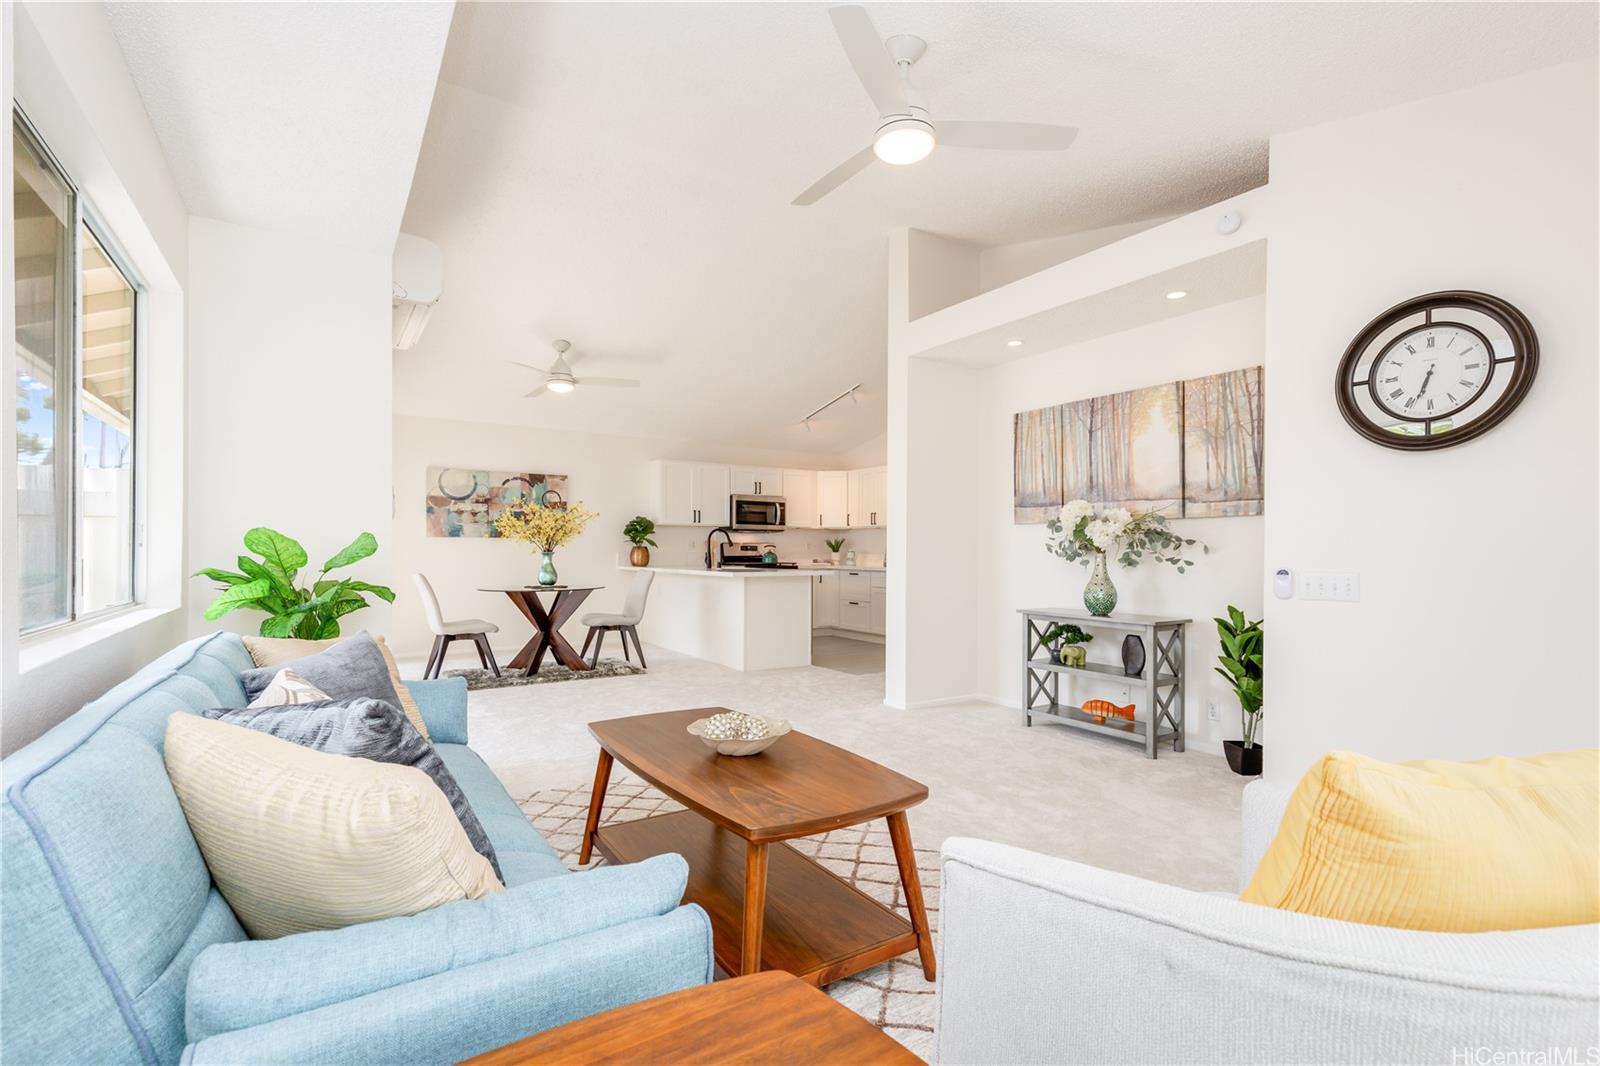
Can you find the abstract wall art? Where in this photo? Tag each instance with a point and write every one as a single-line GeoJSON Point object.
{"type": "Point", "coordinates": [465, 503]}
{"type": "Point", "coordinates": [1186, 449]}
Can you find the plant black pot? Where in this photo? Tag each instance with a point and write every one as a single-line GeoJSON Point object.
{"type": "Point", "coordinates": [1243, 761]}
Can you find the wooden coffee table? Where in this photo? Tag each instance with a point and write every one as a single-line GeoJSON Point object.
{"type": "Point", "coordinates": [765, 1018]}
{"type": "Point", "coordinates": [770, 906]}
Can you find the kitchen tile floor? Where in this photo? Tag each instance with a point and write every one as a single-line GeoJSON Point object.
{"type": "Point", "coordinates": [847, 656]}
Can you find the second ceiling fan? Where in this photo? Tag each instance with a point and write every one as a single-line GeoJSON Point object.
{"type": "Point", "coordinates": [559, 378]}
{"type": "Point", "coordinates": [906, 131]}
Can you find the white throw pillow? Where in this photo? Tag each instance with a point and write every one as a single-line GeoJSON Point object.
{"type": "Point", "coordinates": [298, 839]}
{"type": "Point", "coordinates": [288, 688]}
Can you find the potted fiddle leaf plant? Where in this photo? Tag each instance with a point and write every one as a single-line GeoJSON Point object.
{"type": "Point", "coordinates": [640, 530]}
{"type": "Point", "coordinates": [1071, 650]}
{"type": "Point", "coordinates": [1241, 661]}
{"type": "Point", "coordinates": [293, 610]}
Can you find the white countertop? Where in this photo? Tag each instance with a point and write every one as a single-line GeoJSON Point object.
{"type": "Point", "coordinates": [814, 567]}
{"type": "Point", "coordinates": [732, 571]}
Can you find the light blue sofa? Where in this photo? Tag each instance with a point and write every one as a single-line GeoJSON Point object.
{"type": "Point", "coordinates": [115, 946]}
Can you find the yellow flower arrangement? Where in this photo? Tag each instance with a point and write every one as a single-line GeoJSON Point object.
{"type": "Point", "coordinates": [546, 528]}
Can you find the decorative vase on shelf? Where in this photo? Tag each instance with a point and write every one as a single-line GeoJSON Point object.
{"type": "Point", "coordinates": [1100, 595]}
{"type": "Point", "coordinates": [547, 570]}
{"type": "Point", "coordinates": [639, 556]}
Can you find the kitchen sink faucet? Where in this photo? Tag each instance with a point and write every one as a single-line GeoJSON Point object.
{"type": "Point", "coordinates": [727, 535]}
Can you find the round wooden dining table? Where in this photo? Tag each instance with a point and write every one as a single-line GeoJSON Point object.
{"type": "Point", "coordinates": [547, 623]}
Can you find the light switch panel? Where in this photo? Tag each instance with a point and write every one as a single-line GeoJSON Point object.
{"type": "Point", "coordinates": [1329, 585]}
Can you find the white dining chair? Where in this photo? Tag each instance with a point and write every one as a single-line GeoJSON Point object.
{"type": "Point", "coordinates": [476, 630]}
{"type": "Point", "coordinates": [624, 622]}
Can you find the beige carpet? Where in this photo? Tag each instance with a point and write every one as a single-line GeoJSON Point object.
{"type": "Point", "coordinates": [893, 995]}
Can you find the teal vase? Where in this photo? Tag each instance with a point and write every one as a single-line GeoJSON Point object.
{"type": "Point", "coordinates": [1100, 595]}
{"type": "Point", "coordinates": [547, 572]}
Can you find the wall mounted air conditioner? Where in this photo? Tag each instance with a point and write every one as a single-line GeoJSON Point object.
{"type": "Point", "coordinates": [418, 283]}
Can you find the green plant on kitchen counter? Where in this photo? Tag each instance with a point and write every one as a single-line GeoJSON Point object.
{"type": "Point", "coordinates": [268, 584]}
{"type": "Point", "coordinates": [834, 544]}
{"type": "Point", "coordinates": [640, 530]}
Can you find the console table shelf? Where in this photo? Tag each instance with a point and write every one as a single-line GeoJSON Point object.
{"type": "Point", "coordinates": [1161, 680]}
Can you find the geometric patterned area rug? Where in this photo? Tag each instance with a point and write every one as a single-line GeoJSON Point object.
{"type": "Point", "coordinates": [892, 995]}
{"type": "Point", "coordinates": [550, 672]}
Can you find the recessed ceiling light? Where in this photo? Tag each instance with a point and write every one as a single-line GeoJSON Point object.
{"type": "Point", "coordinates": [1177, 294]}
{"type": "Point", "coordinates": [1013, 344]}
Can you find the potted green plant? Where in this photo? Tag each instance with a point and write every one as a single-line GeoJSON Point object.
{"type": "Point", "coordinates": [639, 530]}
{"type": "Point", "coordinates": [1241, 666]}
{"type": "Point", "coordinates": [268, 584]}
{"type": "Point", "coordinates": [834, 544]}
{"type": "Point", "coordinates": [1070, 651]}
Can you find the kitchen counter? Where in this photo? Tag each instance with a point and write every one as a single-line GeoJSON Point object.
{"type": "Point", "coordinates": [731, 571]}
{"type": "Point", "coordinates": [814, 567]}
{"type": "Point", "coordinates": [742, 618]}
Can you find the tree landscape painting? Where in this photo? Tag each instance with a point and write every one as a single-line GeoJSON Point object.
{"type": "Point", "coordinates": [1222, 437]}
{"type": "Point", "coordinates": [1185, 449]}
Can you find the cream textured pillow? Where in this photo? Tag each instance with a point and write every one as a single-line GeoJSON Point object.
{"type": "Point", "coordinates": [288, 689]}
{"type": "Point", "coordinates": [298, 839]}
{"type": "Point", "coordinates": [270, 651]}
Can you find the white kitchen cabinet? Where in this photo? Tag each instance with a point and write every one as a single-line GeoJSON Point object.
{"type": "Point", "coordinates": [854, 614]}
{"type": "Point", "coordinates": [755, 481]}
{"type": "Point", "coordinates": [874, 494]}
{"type": "Point", "coordinates": [880, 603]}
{"type": "Point", "coordinates": [866, 494]}
{"type": "Point", "coordinates": [824, 600]}
{"type": "Point", "coordinates": [691, 494]}
{"type": "Point", "coordinates": [833, 498]}
{"type": "Point", "coordinates": [800, 496]}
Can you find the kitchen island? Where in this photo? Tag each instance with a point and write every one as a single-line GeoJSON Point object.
{"type": "Point", "coordinates": [744, 619]}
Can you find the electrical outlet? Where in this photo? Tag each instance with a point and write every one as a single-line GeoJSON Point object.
{"type": "Point", "coordinates": [1329, 585]}
{"type": "Point", "coordinates": [1211, 712]}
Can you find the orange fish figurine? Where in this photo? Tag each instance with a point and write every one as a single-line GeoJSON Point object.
{"type": "Point", "coordinates": [1103, 709]}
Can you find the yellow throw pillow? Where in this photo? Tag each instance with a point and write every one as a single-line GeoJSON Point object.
{"type": "Point", "coordinates": [298, 839]}
{"type": "Point", "coordinates": [270, 651]}
{"type": "Point", "coordinates": [1461, 847]}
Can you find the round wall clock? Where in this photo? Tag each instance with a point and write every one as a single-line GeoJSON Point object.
{"type": "Point", "coordinates": [1437, 370]}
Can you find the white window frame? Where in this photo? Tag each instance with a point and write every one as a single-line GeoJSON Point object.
{"type": "Point", "coordinates": [86, 217]}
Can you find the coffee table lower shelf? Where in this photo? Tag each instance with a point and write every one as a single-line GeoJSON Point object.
{"type": "Point", "coordinates": [818, 926]}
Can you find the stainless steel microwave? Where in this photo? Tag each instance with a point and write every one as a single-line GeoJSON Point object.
{"type": "Point", "coordinates": [757, 513]}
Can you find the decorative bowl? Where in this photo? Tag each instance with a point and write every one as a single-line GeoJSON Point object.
{"type": "Point", "coordinates": [776, 728]}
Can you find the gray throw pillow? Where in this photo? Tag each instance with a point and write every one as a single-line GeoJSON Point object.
{"type": "Point", "coordinates": [365, 729]}
{"type": "Point", "coordinates": [351, 669]}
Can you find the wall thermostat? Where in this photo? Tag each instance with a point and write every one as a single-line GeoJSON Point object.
{"type": "Point", "coordinates": [1283, 584]}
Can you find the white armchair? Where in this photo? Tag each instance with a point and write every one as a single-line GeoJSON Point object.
{"type": "Point", "coordinates": [1042, 960]}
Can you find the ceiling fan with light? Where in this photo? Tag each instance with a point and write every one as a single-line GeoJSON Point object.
{"type": "Point", "coordinates": [559, 378]}
{"type": "Point", "coordinates": [906, 131]}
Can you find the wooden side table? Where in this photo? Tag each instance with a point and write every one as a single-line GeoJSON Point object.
{"type": "Point", "coordinates": [764, 1018]}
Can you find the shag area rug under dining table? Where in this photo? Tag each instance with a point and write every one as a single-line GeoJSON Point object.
{"type": "Point", "coordinates": [893, 995]}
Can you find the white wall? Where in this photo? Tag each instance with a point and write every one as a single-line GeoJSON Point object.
{"type": "Point", "coordinates": [1476, 631]}
{"type": "Point", "coordinates": [71, 80]}
{"type": "Point", "coordinates": [1014, 570]}
{"type": "Point", "coordinates": [608, 474]}
{"type": "Point", "coordinates": [290, 396]}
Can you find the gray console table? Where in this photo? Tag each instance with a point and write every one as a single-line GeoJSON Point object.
{"type": "Point", "coordinates": [1161, 680]}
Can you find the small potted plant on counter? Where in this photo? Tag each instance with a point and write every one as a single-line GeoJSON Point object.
{"type": "Point", "coordinates": [1241, 665]}
{"type": "Point", "coordinates": [834, 545]}
{"type": "Point", "coordinates": [1071, 650]}
{"type": "Point", "coordinates": [640, 531]}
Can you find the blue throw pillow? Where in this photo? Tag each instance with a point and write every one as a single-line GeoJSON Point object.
{"type": "Point", "coordinates": [365, 729]}
{"type": "Point", "coordinates": [351, 669]}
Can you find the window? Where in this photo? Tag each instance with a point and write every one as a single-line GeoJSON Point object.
{"type": "Point", "coordinates": [76, 307]}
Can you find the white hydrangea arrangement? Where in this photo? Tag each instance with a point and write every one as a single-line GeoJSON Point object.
{"type": "Point", "coordinates": [1078, 534]}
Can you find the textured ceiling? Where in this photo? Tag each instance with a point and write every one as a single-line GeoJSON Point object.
{"type": "Point", "coordinates": [620, 175]}
{"type": "Point", "coordinates": [304, 117]}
